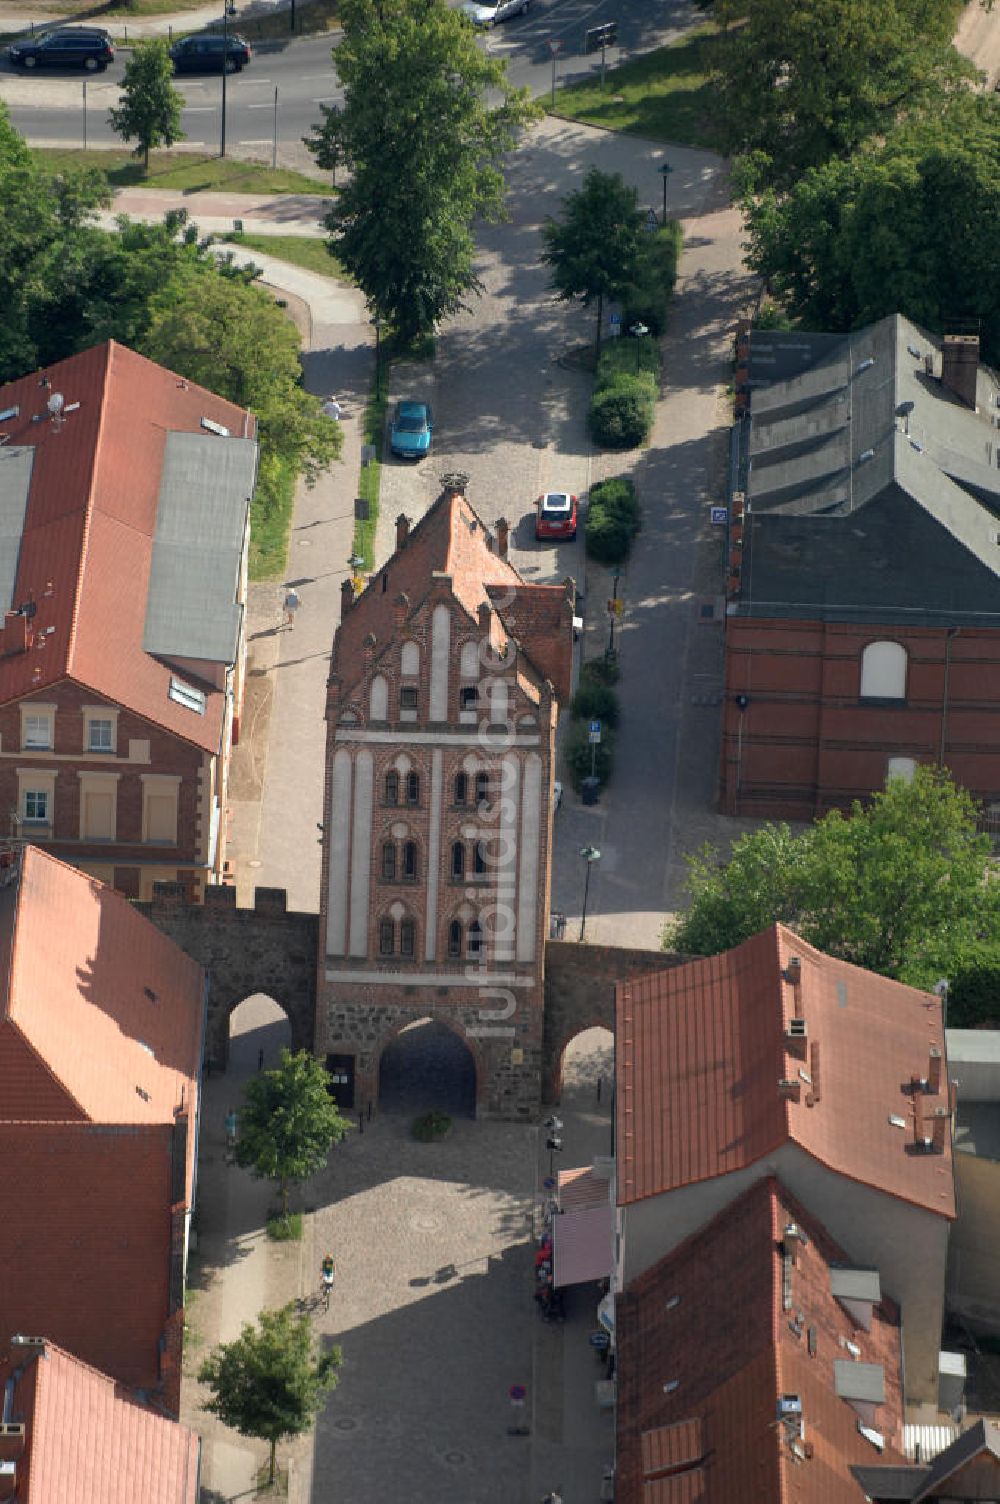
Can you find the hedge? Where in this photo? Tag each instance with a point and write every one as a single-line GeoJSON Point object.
{"type": "Point", "coordinates": [595, 702]}
{"type": "Point", "coordinates": [578, 752]}
{"type": "Point", "coordinates": [613, 519]}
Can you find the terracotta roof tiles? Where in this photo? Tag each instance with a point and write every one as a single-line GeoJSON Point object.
{"type": "Point", "coordinates": [702, 1048]}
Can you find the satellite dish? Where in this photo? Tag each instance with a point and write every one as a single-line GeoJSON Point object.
{"type": "Point", "coordinates": [56, 403]}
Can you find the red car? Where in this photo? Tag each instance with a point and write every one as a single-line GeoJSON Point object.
{"type": "Point", "coordinates": [555, 515]}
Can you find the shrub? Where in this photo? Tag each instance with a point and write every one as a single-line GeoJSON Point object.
{"type": "Point", "coordinates": [431, 1125]}
{"type": "Point", "coordinates": [613, 519]}
{"type": "Point", "coordinates": [617, 495]}
{"type": "Point", "coordinates": [648, 299]}
{"type": "Point", "coordinates": [596, 702]}
{"type": "Point", "coordinates": [285, 1228]}
{"type": "Point", "coordinates": [578, 753]}
{"type": "Point", "coordinates": [631, 358]}
{"type": "Point", "coordinates": [600, 671]}
{"type": "Point", "coordinates": [974, 990]}
{"type": "Point", "coordinates": [621, 416]}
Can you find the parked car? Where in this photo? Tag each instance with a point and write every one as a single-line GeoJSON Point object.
{"type": "Point", "coordinates": [70, 47]}
{"type": "Point", "coordinates": [555, 515]}
{"type": "Point", "coordinates": [204, 53]}
{"type": "Point", "coordinates": [412, 427]}
{"type": "Point", "coordinates": [489, 12]}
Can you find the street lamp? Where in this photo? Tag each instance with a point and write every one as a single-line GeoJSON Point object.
{"type": "Point", "coordinates": [228, 9]}
{"type": "Point", "coordinates": [665, 171]}
{"type": "Point", "coordinates": [638, 331]}
{"type": "Point", "coordinates": [590, 855]}
{"type": "Point", "coordinates": [554, 1146]}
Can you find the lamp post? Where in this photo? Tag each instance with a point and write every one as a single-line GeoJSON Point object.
{"type": "Point", "coordinates": [228, 9]}
{"type": "Point", "coordinates": [590, 855]}
{"type": "Point", "coordinates": [665, 171]}
{"type": "Point", "coordinates": [638, 331]}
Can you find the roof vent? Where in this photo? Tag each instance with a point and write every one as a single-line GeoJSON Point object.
{"type": "Point", "coordinates": [219, 429]}
{"type": "Point", "coordinates": [865, 365]}
{"type": "Point", "coordinates": [875, 1437]}
{"type": "Point", "coordinates": [796, 1028]}
{"type": "Point", "coordinates": [895, 1121]}
{"type": "Point", "coordinates": [789, 1404]}
{"type": "Point", "coordinates": [850, 1347]}
{"type": "Point", "coordinates": [793, 971]}
{"type": "Point", "coordinates": [671, 1385]}
{"type": "Point", "coordinates": [672, 1303]}
{"type": "Point", "coordinates": [19, 1340]}
{"type": "Point", "coordinates": [9, 412]}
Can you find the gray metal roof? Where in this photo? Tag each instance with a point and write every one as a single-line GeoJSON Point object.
{"type": "Point", "coordinates": [15, 483]}
{"type": "Point", "coordinates": [855, 1284]}
{"type": "Point", "coordinates": [869, 484]}
{"type": "Point", "coordinates": [192, 610]}
{"type": "Point", "coordinates": [859, 1381]}
{"type": "Point", "coordinates": [983, 1436]}
{"type": "Point", "coordinates": [889, 1481]}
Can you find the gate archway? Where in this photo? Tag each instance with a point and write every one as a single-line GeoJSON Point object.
{"type": "Point", "coordinates": [259, 1028]}
{"type": "Point", "coordinates": [427, 1066]}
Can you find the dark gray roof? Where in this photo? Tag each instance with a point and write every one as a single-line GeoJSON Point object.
{"type": "Point", "coordinates": [192, 610]}
{"type": "Point", "coordinates": [855, 1284]}
{"type": "Point", "coordinates": [869, 485]}
{"type": "Point", "coordinates": [981, 1437]}
{"type": "Point", "coordinates": [15, 483]}
{"type": "Point", "coordinates": [859, 1381]}
{"type": "Point", "coordinates": [889, 1481]}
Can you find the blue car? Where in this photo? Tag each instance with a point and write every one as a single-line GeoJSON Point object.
{"type": "Point", "coordinates": [412, 426]}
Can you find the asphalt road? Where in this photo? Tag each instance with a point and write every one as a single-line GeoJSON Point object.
{"type": "Point", "coordinates": [49, 109]}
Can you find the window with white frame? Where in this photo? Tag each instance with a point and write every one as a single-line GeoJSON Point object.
{"type": "Point", "coordinates": [36, 798]}
{"type": "Point", "coordinates": [100, 734]}
{"type": "Point", "coordinates": [37, 727]}
{"type": "Point", "coordinates": [883, 671]}
{"type": "Point", "coordinates": [36, 806]}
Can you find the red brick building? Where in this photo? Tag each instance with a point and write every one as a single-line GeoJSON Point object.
{"type": "Point", "coordinates": [68, 1433]}
{"type": "Point", "coordinates": [863, 624]}
{"type": "Point", "coordinates": [124, 526]}
{"type": "Point", "coordinates": [101, 1034]}
{"type": "Point", "coordinates": [445, 682]}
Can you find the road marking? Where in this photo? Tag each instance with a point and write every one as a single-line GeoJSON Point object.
{"type": "Point", "coordinates": [264, 141]}
{"type": "Point", "coordinates": [327, 100]}
{"type": "Point", "coordinates": [268, 106]}
{"type": "Point", "coordinates": [200, 109]}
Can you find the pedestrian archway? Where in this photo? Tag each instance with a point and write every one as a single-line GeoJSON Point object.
{"type": "Point", "coordinates": [259, 1029]}
{"type": "Point", "coordinates": [427, 1067]}
{"type": "Point", "coordinates": [587, 1069]}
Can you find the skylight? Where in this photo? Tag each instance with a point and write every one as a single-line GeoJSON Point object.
{"type": "Point", "coordinates": [185, 694]}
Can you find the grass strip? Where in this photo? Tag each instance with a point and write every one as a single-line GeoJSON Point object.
{"type": "Point", "coordinates": [189, 172]}
{"type": "Point", "coordinates": [307, 251]}
{"type": "Point", "coordinates": [664, 96]}
{"type": "Point", "coordinates": [271, 518]}
{"type": "Point", "coordinates": [371, 475]}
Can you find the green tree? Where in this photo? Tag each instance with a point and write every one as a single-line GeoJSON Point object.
{"type": "Point", "coordinates": [425, 154]}
{"type": "Point", "coordinates": [595, 249]}
{"type": "Point", "coordinates": [901, 886]}
{"type": "Point", "coordinates": [150, 110]}
{"type": "Point", "coordinates": [909, 225]}
{"type": "Point", "coordinates": [270, 1383]}
{"type": "Point", "coordinates": [806, 82]}
{"type": "Point", "coordinates": [289, 1122]}
{"type": "Point", "coordinates": [324, 143]}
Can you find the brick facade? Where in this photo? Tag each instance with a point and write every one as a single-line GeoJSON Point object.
{"type": "Point", "coordinates": [799, 739]}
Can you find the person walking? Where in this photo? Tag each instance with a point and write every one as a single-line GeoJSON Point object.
{"type": "Point", "coordinates": [292, 604]}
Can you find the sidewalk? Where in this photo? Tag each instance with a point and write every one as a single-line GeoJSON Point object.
{"type": "Point", "coordinates": [217, 213]}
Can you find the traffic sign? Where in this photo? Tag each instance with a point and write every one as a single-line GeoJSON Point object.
{"type": "Point", "coordinates": [555, 45]}
{"type": "Point", "coordinates": [595, 732]}
{"type": "Point", "coordinates": [615, 318]}
{"type": "Point", "coordinates": [601, 36]}
{"type": "Point", "coordinates": [720, 516]}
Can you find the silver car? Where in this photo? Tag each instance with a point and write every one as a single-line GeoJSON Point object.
{"type": "Point", "coordinates": [489, 12]}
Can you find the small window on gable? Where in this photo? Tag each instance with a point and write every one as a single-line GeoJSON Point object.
{"type": "Point", "coordinates": [185, 694]}
{"type": "Point", "coordinates": [455, 938]}
{"type": "Point", "coordinates": [386, 937]}
{"type": "Point", "coordinates": [100, 734]}
{"type": "Point", "coordinates": [37, 729]}
{"type": "Point", "coordinates": [461, 788]}
{"type": "Point", "coordinates": [379, 699]}
{"type": "Point", "coordinates": [389, 860]}
{"type": "Point", "coordinates": [392, 787]}
{"type": "Point", "coordinates": [469, 661]}
{"type": "Point", "coordinates": [883, 671]}
{"type": "Point", "coordinates": [410, 660]}
{"type": "Point", "coordinates": [458, 859]}
{"type": "Point", "coordinates": [413, 788]}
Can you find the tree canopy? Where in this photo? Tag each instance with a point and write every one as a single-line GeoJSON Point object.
{"type": "Point", "coordinates": [270, 1383]}
{"type": "Point", "coordinates": [900, 886]}
{"type": "Point", "coordinates": [594, 251]}
{"type": "Point", "coordinates": [424, 152]}
{"type": "Point", "coordinates": [803, 83]}
{"type": "Point", "coordinates": [149, 112]}
{"type": "Point", "coordinates": [289, 1122]}
{"type": "Point", "coordinates": [909, 225]}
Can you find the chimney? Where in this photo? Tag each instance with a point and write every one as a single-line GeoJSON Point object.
{"type": "Point", "coordinates": [816, 1092]}
{"type": "Point", "coordinates": [960, 365]}
{"type": "Point", "coordinates": [789, 1090]}
{"type": "Point", "coordinates": [401, 607]}
{"type": "Point", "coordinates": [503, 536]}
{"type": "Point", "coordinates": [346, 596]}
{"type": "Point", "coordinates": [938, 1131]}
{"type": "Point", "coordinates": [402, 530]}
{"type": "Point", "coordinates": [485, 618]}
{"type": "Point", "coordinates": [934, 1071]}
{"type": "Point", "coordinates": [14, 634]}
{"type": "Point", "coordinates": [11, 1441]}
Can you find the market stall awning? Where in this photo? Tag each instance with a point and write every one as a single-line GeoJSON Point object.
{"type": "Point", "coordinates": [583, 1230]}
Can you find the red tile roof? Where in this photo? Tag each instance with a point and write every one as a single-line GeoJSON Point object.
{"type": "Point", "coordinates": [87, 542]}
{"type": "Point", "coordinates": [100, 1040]}
{"type": "Point", "coordinates": [75, 998]}
{"type": "Point", "coordinates": [730, 1328]}
{"type": "Point", "coordinates": [703, 1046]}
{"type": "Point", "coordinates": [452, 539]}
{"type": "Point", "coordinates": [88, 1438]}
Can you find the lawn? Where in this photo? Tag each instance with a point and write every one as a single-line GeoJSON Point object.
{"type": "Point", "coordinates": [371, 474]}
{"type": "Point", "coordinates": [190, 172]}
{"type": "Point", "coordinates": [664, 96]}
{"type": "Point", "coordinates": [307, 251]}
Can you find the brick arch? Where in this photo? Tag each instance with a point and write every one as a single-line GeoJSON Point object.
{"type": "Point", "coordinates": [264, 949]}
{"type": "Point", "coordinates": [391, 1032]}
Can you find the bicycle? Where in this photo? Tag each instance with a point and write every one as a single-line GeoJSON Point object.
{"type": "Point", "coordinates": [326, 1290]}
